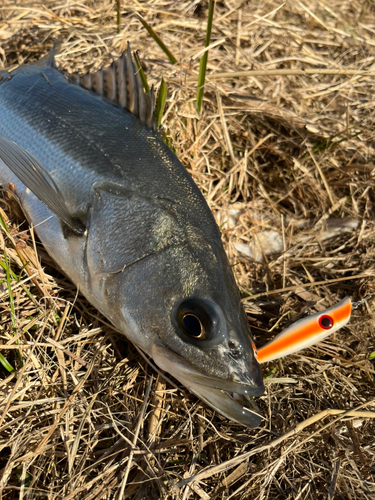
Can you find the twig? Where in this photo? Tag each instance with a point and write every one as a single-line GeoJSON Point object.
{"type": "Point", "coordinates": [303, 285]}
{"type": "Point", "coordinates": [229, 75]}
{"type": "Point", "coordinates": [136, 433]}
{"type": "Point", "coordinates": [309, 421]}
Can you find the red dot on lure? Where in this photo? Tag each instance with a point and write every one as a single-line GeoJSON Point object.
{"type": "Point", "coordinates": [326, 322]}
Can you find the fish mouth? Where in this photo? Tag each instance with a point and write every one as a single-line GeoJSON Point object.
{"type": "Point", "coordinates": [233, 400]}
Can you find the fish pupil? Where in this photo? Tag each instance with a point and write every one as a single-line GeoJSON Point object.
{"type": "Point", "coordinates": [192, 326]}
{"type": "Point", "coordinates": [326, 322]}
{"type": "Point", "coordinates": [196, 318]}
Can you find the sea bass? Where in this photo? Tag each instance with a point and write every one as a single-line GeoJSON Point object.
{"type": "Point", "coordinates": [121, 216]}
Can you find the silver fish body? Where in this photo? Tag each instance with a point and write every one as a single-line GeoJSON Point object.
{"type": "Point", "coordinates": [149, 256]}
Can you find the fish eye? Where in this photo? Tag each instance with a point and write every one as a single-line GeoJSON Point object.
{"type": "Point", "coordinates": [326, 322]}
{"type": "Point", "coordinates": [194, 319]}
{"type": "Point", "coordinates": [192, 326]}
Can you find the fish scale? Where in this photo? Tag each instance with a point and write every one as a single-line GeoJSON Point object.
{"type": "Point", "coordinates": [98, 141]}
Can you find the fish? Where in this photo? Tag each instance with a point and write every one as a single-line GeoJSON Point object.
{"type": "Point", "coordinates": [123, 219]}
{"type": "Point", "coordinates": [306, 332]}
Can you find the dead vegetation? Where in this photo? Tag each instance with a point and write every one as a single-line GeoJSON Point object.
{"type": "Point", "coordinates": [286, 162]}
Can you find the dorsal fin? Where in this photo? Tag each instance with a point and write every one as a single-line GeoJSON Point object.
{"type": "Point", "coordinates": [49, 59]}
{"type": "Point", "coordinates": [121, 83]}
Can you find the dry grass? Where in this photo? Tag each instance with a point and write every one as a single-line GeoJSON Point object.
{"type": "Point", "coordinates": [287, 157]}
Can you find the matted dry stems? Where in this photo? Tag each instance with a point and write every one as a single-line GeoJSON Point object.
{"type": "Point", "coordinates": [286, 163]}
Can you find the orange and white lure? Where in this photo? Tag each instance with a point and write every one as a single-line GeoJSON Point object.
{"type": "Point", "coordinates": [306, 332]}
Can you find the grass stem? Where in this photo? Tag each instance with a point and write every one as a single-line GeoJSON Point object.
{"type": "Point", "coordinates": [204, 58]}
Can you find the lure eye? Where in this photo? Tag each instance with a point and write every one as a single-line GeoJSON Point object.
{"type": "Point", "coordinates": [326, 322]}
{"type": "Point", "coordinates": [195, 319]}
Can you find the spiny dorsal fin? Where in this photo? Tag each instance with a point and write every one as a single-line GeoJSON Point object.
{"type": "Point", "coordinates": [121, 83]}
{"type": "Point", "coordinates": [47, 61]}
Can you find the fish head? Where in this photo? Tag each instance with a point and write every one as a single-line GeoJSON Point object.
{"type": "Point", "coordinates": [163, 278]}
{"type": "Point", "coordinates": [192, 323]}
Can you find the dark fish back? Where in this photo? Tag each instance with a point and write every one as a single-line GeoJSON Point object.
{"type": "Point", "coordinates": [68, 128]}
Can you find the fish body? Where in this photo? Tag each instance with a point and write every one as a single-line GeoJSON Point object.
{"type": "Point", "coordinates": [121, 216]}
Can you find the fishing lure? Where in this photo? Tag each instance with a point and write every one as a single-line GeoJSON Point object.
{"type": "Point", "coordinates": [306, 332]}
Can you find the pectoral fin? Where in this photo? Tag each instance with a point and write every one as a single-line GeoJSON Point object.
{"type": "Point", "coordinates": [35, 177]}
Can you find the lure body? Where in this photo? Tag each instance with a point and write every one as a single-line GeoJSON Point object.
{"type": "Point", "coordinates": [306, 332]}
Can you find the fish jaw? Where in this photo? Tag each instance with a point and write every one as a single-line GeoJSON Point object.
{"type": "Point", "coordinates": [231, 399]}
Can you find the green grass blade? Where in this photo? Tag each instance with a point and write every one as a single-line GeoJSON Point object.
{"type": "Point", "coordinates": [203, 61]}
{"type": "Point", "coordinates": [3, 223]}
{"type": "Point", "coordinates": [9, 286]}
{"type": "Point", "coordinates": [18, 278]}
{"type": "Point", "coordinates": [14, 276]}
{"type": "Point", "coordinates": [141, 73]}
{"type": "Point", "coordinates": [158, 40]}
{"type": "Point", "coordinates": [118, 15]}
{"type": "Point", "coordinates": [6, 364]}
{"type": "Point", "coordinates": [11, 301]}
{"type": "Point", "coordinates": [160, 102]}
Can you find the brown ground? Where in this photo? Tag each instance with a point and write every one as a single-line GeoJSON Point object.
{"type": "Point", "coordinates": [294, 154]}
